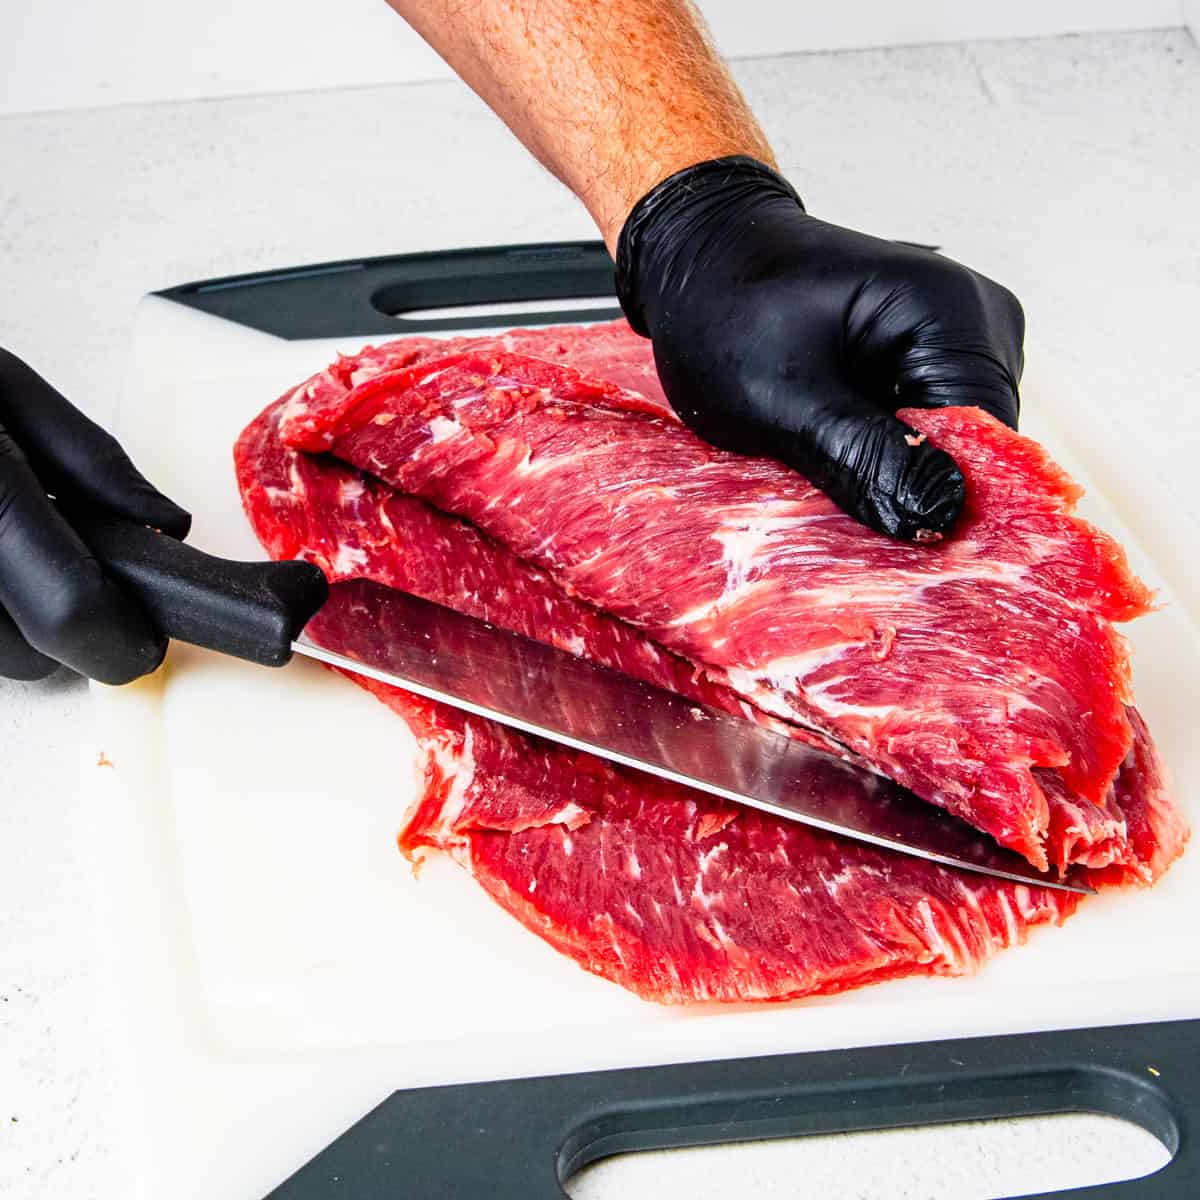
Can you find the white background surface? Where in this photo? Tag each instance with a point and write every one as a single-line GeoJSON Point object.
{"type": "Point", "coordinates": [130, 51]}
{"type": "Point", "coordinates": [1065, 168]}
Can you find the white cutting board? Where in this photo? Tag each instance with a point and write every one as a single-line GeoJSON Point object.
{"type": "Point", "coordinates": [281, 969]}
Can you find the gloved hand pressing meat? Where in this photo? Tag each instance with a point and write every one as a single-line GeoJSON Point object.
{"type": "Point", "coordinates": [778, 334]}
{"type": "Point", "coordinates": [56, 605]}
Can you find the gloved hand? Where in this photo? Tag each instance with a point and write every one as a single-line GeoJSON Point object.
{"type": "Point", "coordinates": [777, 334]}
{"type": "Point", "coordinates": [56, 605]}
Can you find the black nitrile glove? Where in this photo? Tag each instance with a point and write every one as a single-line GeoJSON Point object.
{"type": "Point", "coordinates": [56, 605]}
{"type": "Point", "coordinates": [777, 334]}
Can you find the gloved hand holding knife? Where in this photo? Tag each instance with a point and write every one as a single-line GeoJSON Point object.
{"type": "Point", "coordinates": [57, 604]}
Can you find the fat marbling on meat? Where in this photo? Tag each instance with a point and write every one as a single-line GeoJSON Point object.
{"type": "Point", "coordinates": [983, 672]}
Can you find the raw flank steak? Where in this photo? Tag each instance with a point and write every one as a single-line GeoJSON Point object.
{"type": "Point", "coordinates": [538, 480]}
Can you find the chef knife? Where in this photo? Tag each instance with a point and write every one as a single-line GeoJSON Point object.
{"type": "Point", "coordinates": [265, 612]}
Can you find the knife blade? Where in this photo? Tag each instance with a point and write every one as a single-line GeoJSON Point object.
{"type": "Point", "coordinates": [442, 654]}
{"type": "Point", "coordinates": [265, 612]}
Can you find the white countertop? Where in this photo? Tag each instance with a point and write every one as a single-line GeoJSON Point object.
{"type": "Point", "coordinates": [1065, 168]}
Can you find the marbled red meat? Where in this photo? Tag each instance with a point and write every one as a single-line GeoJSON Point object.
{"type": "Point", "coordinates": [682, 899]}
{"type": "Point", "coordinates": [962, 670]}
{"type": "Point", "coordinates": [728, 904]}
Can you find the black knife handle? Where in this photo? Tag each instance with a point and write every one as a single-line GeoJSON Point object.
{"type": "Point", "coordinates": [251, 610]}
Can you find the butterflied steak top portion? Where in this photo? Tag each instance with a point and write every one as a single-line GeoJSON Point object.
{"type": "Point", "coordinates": [490, 475]}
{"type": "Point", "coordinates": [966, 670]}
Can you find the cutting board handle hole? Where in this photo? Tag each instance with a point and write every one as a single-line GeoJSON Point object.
{"type": "Point", "coordinates": [546, 284]}
{"type": "Point", "coordinates": [896, 1121]}
{"type": "Point", "coordinates": [969, 1160]}
{"type": "Point", "coordinates": [503, 312]}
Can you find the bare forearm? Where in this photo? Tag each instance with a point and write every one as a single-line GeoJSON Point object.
{"type": "Point", "coordinates": [612, 96]}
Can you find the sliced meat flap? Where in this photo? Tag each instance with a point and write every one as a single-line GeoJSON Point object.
{"type": "Point", "coordinates": [983, 672]}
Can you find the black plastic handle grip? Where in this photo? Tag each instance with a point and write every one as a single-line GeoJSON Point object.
{"type": "Point", "coordinates": [364, 296]}
{"type": "Point", "coordinates": [521, 1139]}
{"type": "Point", "coordinates": [251, 610]}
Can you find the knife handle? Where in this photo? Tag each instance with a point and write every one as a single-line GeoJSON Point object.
{"type": "Point", "coordinates": [250, 610]}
